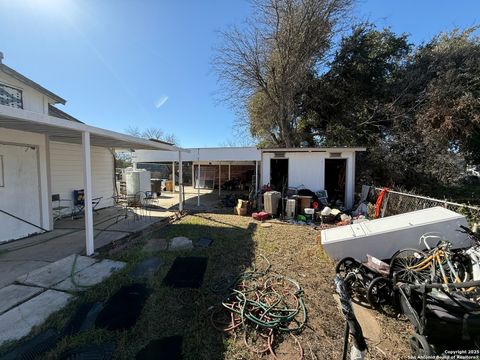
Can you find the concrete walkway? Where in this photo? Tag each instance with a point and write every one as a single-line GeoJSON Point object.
{"type": "Point", "coordinates": [42, 292]}
{"type": "Point", "coordinates": [112, 224]}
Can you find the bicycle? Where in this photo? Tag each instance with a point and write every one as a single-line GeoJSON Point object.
{"type": "Point", "coordinates": [472, 253]}
{"type": "Point", "coordinates": [436, 263]}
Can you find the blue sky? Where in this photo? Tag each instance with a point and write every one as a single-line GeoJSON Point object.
{"type": "Point", "coordinates": [122, 63]}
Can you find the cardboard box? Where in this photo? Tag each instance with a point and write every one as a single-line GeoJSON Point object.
{"type": "Point", "coordinates": [240, 211]}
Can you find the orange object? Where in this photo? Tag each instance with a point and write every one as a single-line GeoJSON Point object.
{"type": "Point", "coordinates": [378, 204]}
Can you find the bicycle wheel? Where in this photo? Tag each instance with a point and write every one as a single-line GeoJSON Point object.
{"type": "Point", "coordinates": [346, 265]}
{"type": "Point", "coordinates": [419, 346]}
{"type": "Point", "coordinates": [380, 293]}
{"type": "Point", "coordinates": [402, 266]}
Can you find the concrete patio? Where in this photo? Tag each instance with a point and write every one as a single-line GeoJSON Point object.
{"type": "Point", "coordinates": [111, 224]}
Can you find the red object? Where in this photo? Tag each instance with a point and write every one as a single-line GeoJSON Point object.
{"type": "Point", "coordinates": [262, 215]}
{"type": "Point", "coordinates": [378, 204]}
{"type": "Point", "coordinates": [315, 205]}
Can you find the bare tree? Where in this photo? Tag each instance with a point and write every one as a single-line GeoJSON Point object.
{"type": "Point", "coordinates": [267, 63]}
{"type": "Point", "coordinates": [152, 133]}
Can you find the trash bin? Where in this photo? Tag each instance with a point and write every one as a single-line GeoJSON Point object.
{"type": "Point", "coordinates": [271, 200]}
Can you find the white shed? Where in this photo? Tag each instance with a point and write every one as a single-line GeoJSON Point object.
{"type": "Point", "coordinates": [331, 169]}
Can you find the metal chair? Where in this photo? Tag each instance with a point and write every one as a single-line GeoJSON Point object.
{"type": "Point", "coordinates": [79, 203]}
{"type": "Point", "coordinates": [57, 207]}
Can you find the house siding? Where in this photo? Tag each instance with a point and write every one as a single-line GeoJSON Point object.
{"type": "Point", "coordinates": [66, 163]}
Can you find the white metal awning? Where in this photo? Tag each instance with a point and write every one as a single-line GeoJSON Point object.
{"type": "Point", "coordinates": [67, 131]}
{"type": "Point", "coordinates": [71, 132]}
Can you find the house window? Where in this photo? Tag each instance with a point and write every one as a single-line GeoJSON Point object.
{"type": "Point", "coordinates": [2, 184]}
{"type": "Point", "coordinates": [10, 96]}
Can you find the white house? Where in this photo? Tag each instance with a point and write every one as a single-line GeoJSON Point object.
{"type": "Point", "coordinates": [44, 151]}
{"type": "Point", "coordinates": [331, 169]}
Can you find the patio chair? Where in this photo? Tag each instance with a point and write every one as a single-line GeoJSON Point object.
{"type": "Point", "coordinates": [79, 203]}
{"type": "Point", "coordinates": [58, 208]}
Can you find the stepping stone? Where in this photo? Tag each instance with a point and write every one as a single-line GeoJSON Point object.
{"type": "Point", "coordinates": [35, 347]}
{"type": "Point", "coordinates": [180, 243]}
{"type": "Point", "coordinates": [154, 245]}
{"type": "Point", "coordinates": [186, 272]}
{"type": "Point", "coordinates": [146, 268]}
{"type": "Point", "coordinates": [17, 322]}
{"type": "Point", "coordinates": [90, 276]}
{"type": "Point", "coordinates": [124, 308]}
{"type": "Point", "coordinates": [53, 273]}
{"type": "Point", "coordinates": [13, 295]}
{"type": "Point", "coordinates": [203, 243]}
{"type": "Point", "coordinates": [83, 319]}
{"type": "Point", "coordinates": [90, 352]}
{"type": "Point", "coordinates": [169, 348]}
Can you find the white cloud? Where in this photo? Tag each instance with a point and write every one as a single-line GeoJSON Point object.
{"type": "Point", "coordinates": [162, 100]}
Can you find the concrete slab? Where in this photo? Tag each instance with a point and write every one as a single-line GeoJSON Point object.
{"type": "Point", "coordinates": [147, 267]}
{"type": "Point", "coordinates": [90, 276]}
{"type": "Point", "coordinates": [180, 243]}
{"type": "Point", "coordinates": [16, 294]}
{"type": "Point", "coordinates": [154, 245]}
{"type": "Point", "coordinates": [19, 321]}
{"type": "Point", "coordinates": [203, 243]}
{"type": "Point", "coordinates": [56, 272]}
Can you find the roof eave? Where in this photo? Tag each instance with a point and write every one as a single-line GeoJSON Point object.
{"type": "Point", "coordinates": [9, 71]}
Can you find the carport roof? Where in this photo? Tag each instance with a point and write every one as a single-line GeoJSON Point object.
{"type": "Point", "coordinates": [71, 132]}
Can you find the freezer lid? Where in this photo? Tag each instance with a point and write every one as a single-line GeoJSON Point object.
{"type": "Point", "coordinates": [415, 218]}
{"type": "Point", "coordinates": [345, 232]}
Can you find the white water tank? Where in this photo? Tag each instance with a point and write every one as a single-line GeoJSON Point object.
{"type": "Point", "coordinates": [137, 180]}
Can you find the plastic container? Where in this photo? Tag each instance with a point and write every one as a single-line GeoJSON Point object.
{"type": "Point", "coordinates": [271, 200]}
{"type": "Point", "coordinates": [290, 208]}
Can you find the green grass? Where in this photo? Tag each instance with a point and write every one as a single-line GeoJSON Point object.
{"type": "Point", "coordinates": [169, 311]}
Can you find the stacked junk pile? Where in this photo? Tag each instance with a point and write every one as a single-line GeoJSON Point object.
{"type": "Point", "coordinates": [423, 265]}
{"type": "Point", "coordinates": [303, 206]}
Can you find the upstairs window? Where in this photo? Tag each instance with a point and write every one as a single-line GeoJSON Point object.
{"type": "Point", "coordinates": [10, 96]}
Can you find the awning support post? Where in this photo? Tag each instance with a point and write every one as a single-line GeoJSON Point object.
{"type": "Point", "coordinates": [173, 176]}
{"type": "Point", "coordinates": [256, 176]}
{"type": "Point", "coordinates": [87, 186]}
{"type": "Point", "coordinates": [219, 177]}
{"type": "Point", "coordinates": [198, 185]}
{"type": "Point", "coordinates": [180, 182]}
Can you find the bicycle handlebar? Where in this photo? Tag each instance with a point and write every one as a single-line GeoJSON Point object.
{"type": "Point", "coordinates": [461, 285]}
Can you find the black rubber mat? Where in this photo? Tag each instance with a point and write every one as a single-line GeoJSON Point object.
{"type": "Point", "coordinates": [124, 307]}
{"type": "Point", "coordinates": [203, 243]}
{"type": "Point", "coordinates": [90, 352]}
{"type": "Point", "coordinates": [83, 319]}
{"type": "Point", "coordinates": [168, 348]}
{"type": "Point", "coordinates": [35, 347]}
{"type": "Point", "coordinates": [186, 272]}
{"type": "Point", "coordinates": [147, 267]}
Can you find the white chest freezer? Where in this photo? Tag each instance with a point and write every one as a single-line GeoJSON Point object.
{"type": "Point", "coordinates": [383, 237]}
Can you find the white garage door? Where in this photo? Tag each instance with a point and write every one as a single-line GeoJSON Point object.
{"type": "Point", "coordinates": [19, 191]}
